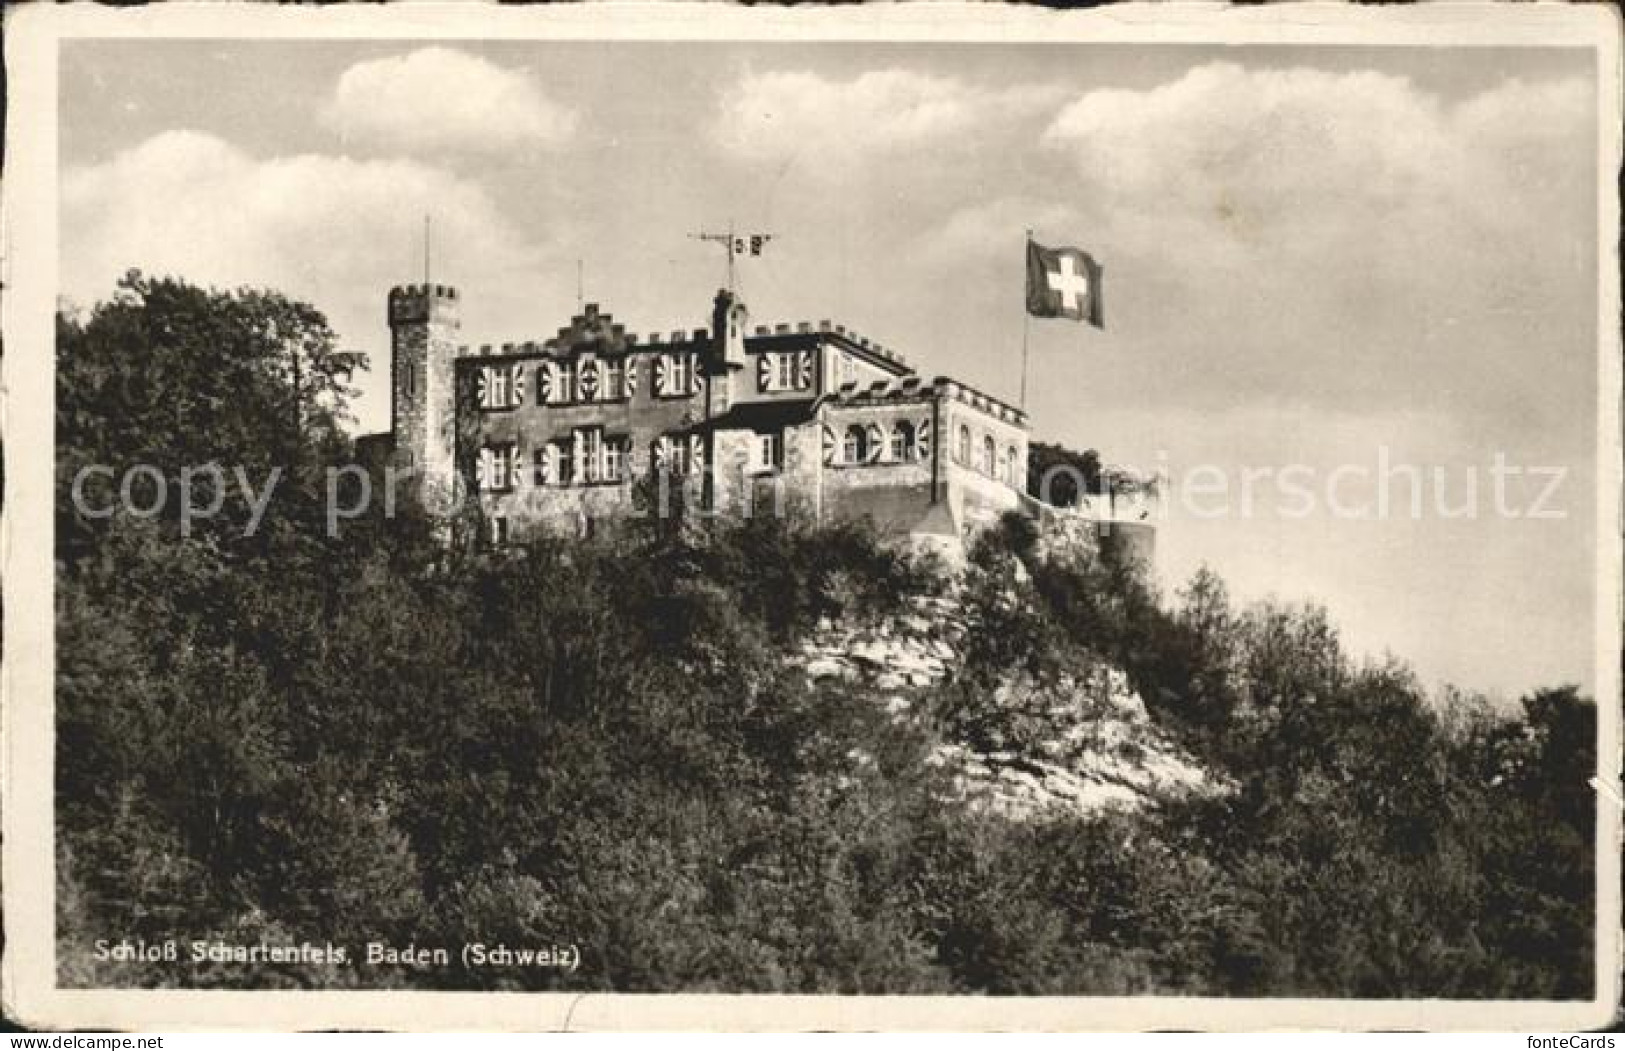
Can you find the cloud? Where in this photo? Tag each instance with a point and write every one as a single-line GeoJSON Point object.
{"type": "Point", "coordinates": [987, 230]}
{"type": "Point", "coordinates": [838, 124]}
{"type": "Point", "coordinates": [440, 98]}
{"type": "Point", "coordinates": [1306, 221]}
{"type": "Point", "coordinates": [334, 231]}
{"type": "Point", "coordinates": [1294, 160]}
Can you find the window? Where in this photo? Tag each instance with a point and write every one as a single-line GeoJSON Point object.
{"type": "Point", "coordinates": [964, 445]}
{"type": "Point", "coordinates": [671, 454]}
{"type": "Point", "coordinates": [564, 382]}
{"type": "Point", "coordinates": [496, 386]}
{"type": "Point", "coordinates": [589, 450]}
{"type": "Point", "coordinates": [587, 385]}
{"type": "Point", "coordinates": [409, 379]}
{"type": "Point", "coordinates": [496, 468]}
{"type": "Point", "coordinates": [614, 460]}
{"type": "Point", "coordinates": [677, 375]}
{"type": "Point", "coordinates": [546, 471]}
{"type": "Point", "coordinates": [499, 531]}
{"type": "Point", "coordinates": [855, 449]}
{"type": "Point", "coordinates": [1010, 465]}
{"type": "Point", "coordinates": [562, 453]}
{"type": "Point", "coordinates": [769, 452]}
{"type": "Point", "coordinates": [902, 442]}
{"type": "Point", "coordinates": [849, 369]}
{"type": "Point", "coordinates": [989, 456]}
{"type": "Point", "coordinates": [614, 380]}
{"type": "Point", "coordinates": [786, 366]}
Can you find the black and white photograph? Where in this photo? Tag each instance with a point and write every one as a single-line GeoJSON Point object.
{"type": "Point", "coordinates": [956, 510]}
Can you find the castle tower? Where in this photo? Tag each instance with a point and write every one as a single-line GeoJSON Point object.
{"type": "Point", "coordinates": [423, 324]}
{"type": "Point", "coordinates": [729, 320]}
{"type": "Point", "coordinates": [726, 360]}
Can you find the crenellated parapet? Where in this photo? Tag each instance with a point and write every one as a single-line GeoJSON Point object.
{"type": "Point", "coordinates": [599, 331]}
{"type": "Point", "coordinates": [985, 403]}
{"type": "Point", "coordinates": [590, 328]}
{"type": "Point", "coordinates": [910, 388]}
{"type": "Point", "coordinates": [606, 339]}
{"type": "Point", "coordinates": [410, 304]}
{"type": "Point", "coordinates": [834, 333]}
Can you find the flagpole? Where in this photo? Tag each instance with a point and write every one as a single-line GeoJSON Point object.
{"type": "Point", "coordinates": [1026, 322]}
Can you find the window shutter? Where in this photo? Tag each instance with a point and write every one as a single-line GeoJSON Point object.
{"type": "Point", "coordinates": [876, 442]}
{"type": "Point", "coordinates": [804, 368]}
{"type": "Point", "coordinates": [764, 373]}
{"type": "Point", "coordinates": [544, 465]}
{"type": "Point", "coordinates": [631, 375]}
{"type": "Point", "coordinates": [518, 385]}
{"type": "Point", "coordinates": [662, 370]}
{"type": "Point", "coordinates": [662, 453]}
{"type": "Point", "coordinates": [696, 453]}
{"type": "Point", "coordinates": [588, 384]}
{"type": "Point", "coordinates": [832, 447]}
{"type": "Point", "coordinates": [695, 384]}
{"type": "Point", "coordinates": [922, 438]}
{"type": "Point", "coordinates": [578, 457]}
{"type": "Point", "coordinates": [482, 386]}
{"type": "Point", "coordinates": [516, 468]}
{"type": "Point", "coordinates": [544, 382]}
{"type": "Point", "coordinates": [482, 470]}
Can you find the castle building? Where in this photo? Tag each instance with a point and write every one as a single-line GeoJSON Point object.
{"type": "Point", "coordinates": [808, 419]}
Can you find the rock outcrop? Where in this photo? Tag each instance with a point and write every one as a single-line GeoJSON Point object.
{"type": "Point", "coordinates": [1102, 749]}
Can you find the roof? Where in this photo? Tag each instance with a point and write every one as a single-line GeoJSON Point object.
{"type": "Point", "coordinates": [760, 416]}
{"type": "Point", "coordinates": [913, 388]}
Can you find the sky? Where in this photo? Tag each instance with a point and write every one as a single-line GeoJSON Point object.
{"type": "Point", "coordinates": [1326, 264]}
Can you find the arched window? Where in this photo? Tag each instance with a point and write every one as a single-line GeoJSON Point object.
{"type": "Point", "coordinates": [902, 442]}
{"type": "Point", "coordinates": [856, 447]}
{"type": "Point", "coordinates": [964, 445]}
{"type": "Point", "coordinates": [989, 456]}
{"type": "Point", "coordinates": [1010, 465]}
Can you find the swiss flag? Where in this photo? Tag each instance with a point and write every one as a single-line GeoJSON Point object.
{"type": "Point", "coordinates": [1063, 282]}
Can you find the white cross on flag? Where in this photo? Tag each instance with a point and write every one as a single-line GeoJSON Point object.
{"type": "Point", "coordinates": [1063, 282]}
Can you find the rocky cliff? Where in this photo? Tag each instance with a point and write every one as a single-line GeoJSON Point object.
{"type": "Point", "coordinates": [1101, 749]}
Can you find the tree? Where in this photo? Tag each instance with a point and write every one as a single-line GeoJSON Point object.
{"type": "Point", "coordinates": [1060, 475]}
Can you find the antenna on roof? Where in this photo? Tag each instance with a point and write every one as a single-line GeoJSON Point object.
{"type": "Point", "coordinates": [426, 250]}
{"type": "Point", "coordinates": [735, 245]}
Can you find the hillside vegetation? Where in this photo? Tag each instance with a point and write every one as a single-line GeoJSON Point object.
{"type": "Point", "coordinates": [616, 743]}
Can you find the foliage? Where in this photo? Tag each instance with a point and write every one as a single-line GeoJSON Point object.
{"type": "Point", "coordinates": [301, 736]}
{"type": "Point", "coordinates": [1059, 475]}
